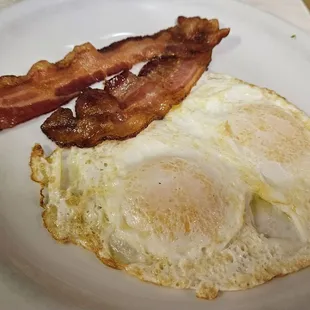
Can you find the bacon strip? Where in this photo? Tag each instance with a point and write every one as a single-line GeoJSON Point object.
{"type": "Point", "coordinates": [128, 104]}
{"type": "Point", "coordinates": [48, 86]}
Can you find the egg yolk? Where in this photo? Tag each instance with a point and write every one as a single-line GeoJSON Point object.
{"type": "Point", "coordinates": [174, 198]}
{"type": "Point", "coordinates": [270, 131]}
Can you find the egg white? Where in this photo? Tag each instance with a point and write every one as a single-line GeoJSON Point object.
{"type": "Point", "coordinates": [264, 135]}
{"type": "Point", "coordinates": [213, 197]}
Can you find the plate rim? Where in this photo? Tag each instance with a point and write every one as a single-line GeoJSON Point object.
{"type": "Point", "coordinates": [9, 12]}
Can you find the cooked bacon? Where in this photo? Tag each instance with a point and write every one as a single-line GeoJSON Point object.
{"type": "Point", "coordinates": [128, 104]}
{"type": "Point", "coordinates": [48, 86]}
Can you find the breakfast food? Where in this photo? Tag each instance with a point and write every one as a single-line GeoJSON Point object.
{"type": "Point", "coordinates": [127, 104]}
{"type": "Point", "coordinates": [48, 86]}
{"type": "Point", "coordinates": [214, 197]}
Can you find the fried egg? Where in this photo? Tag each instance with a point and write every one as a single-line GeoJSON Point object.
{"type": "Point", "coordinates": [215, 197]}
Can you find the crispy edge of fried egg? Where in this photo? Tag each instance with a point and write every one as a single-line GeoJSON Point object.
{"type": "Point", "coordinates": [49, 215]}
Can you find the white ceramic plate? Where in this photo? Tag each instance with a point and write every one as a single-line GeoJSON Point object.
{"type": "Point", "coordinates": [38, 273]}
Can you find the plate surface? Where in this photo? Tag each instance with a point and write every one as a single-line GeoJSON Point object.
{"type": "Point", "coordinates": [38, 273]}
